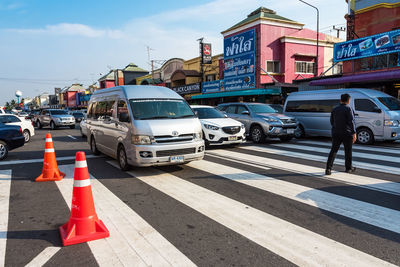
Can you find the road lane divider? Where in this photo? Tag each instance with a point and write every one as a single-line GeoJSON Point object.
{"type": "Point", "coordinates": [28, 161]}
{"type": "Point", "coordinates": [72, 137]}
{"type": "Point", "coordinates": [292, 242]}
{"type": "Point", "coordinates": [132, 241]}
{"type": "Point", "coordinates": [5, 187]}
{"type": "Point", "coordinates": [385, 149]}
{"type": "Point", "coordinates": [355, 209]}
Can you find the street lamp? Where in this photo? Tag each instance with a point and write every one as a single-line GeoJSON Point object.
{"type": "Point", "coordinates": [316, 65]}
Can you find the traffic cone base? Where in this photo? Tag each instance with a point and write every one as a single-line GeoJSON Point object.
{"type": "Point", "coordinates": [56, 176]}
{"type": "Point", "coordinates": [71, 238]}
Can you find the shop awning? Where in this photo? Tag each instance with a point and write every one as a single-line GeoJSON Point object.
{"type": "Point", "coordinates": [360, 78]}
{"type": "Point", "coordinates": [274, 91]}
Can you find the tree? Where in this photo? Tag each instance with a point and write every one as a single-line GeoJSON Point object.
{"type": "Point", "coordinates": [7, 105]}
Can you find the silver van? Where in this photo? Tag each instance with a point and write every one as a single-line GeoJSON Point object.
{"type": "Point", "coordinates": [377, 114]}
{"type": "Point", "coordinates": [143, 126]}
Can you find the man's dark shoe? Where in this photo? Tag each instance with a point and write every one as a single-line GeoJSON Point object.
{"type": "Point", "coordinates": [353, 169]}
{"type": "Point", "coordinates": [328, 172]}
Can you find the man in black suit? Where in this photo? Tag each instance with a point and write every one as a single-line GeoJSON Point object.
{"type": "Point", "coordinates": [343, 131]}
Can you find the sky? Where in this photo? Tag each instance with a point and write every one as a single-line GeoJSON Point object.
{"type": "Point", "coordinates": [46, 44]}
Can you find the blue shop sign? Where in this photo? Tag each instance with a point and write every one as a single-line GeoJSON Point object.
{"type": "Point", "coordinates": [238, 83]}
{"type": "Point", "coordinates": [374, 45]}
{"type": "Point", "coordinates": [238, 66]}
{"type": "Point", "coordinates": [239, 44]}
{"type": "Point", "coordinates": [210, 87]}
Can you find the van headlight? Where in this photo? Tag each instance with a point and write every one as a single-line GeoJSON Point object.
{"type": "Point", "coordinates": [211, 127]}
{"type": "Point", "coordinates": [141, 140]}
{"type": "Point", "coordinates": [271, 119]}
{"type": "Point", "coordinates": [393, 123]}
{"type": "Point", "coordinates": [198, 136]}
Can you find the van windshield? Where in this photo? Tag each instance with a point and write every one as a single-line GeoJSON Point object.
{"type": "Point", "coordinates": [153, 109]}
{"type": "Point", "coordinates": [390, 102]}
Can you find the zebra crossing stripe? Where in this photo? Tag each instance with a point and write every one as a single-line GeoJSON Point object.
{"type": "Point", "coordinates": [132, 241]}
{"type": "Point", "coordinates": [340, 152]}
{"type": "Point", "coordinates": [294, 243]}
{"type": "Point", "coordinates": [358, 210]}
{"type": "Point", "coordinates": [5, 186]}
{"type": "Point", "coordinates": [358, 164]}
{"type": "Point", "coordinates": [43, 257]}
{"type": "Point", "coordinates": [352, 179]}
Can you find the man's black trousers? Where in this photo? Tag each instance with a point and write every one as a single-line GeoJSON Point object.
{"type": "Point", "coordinates": [337, 140]}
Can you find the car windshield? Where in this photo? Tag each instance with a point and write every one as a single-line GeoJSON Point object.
{"type": "Point", "coordinates": [77, 114]}
{"type": "Point", "coordinates": [209, 113]}
{"type": "Point", "coordinates": [58, 112]}
{"type": "Point", "coordinates": [152, 109]}
{"type": "Point", "coordinates": [262, 109]}
{"type": "Point", "coordinates": [390, 102]}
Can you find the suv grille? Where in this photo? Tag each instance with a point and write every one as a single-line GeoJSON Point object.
{"type": "Point", "coordinates": [170, 138]}
{"type": "Point", "coordinates": [231, 129]}
{"type": "Point", "coordinates": [288, 121]}
{"type": "Point", "coordinates": [175, 152]}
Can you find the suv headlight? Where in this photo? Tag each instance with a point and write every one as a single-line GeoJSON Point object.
{"type": "Point", "coordinates": [393, 123]}
{"type": "Point", "coordinates": [198, 136]}
{"type": "Point", "coordinates": [271, 119]}
{"type": "Point", "coordinates": [211, 127]}
{"type": "Point", "coordinates": [141, 140]}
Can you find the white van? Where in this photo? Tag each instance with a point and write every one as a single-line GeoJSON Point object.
{"type": "Point", "coordinates": [143, 126]}
{"type": "Point", "coordinates": [377, 114]}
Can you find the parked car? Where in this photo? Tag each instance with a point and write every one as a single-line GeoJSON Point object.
{"type": "Point", "coordinates": [261, 121]}
{"type": "Point", "coordinates": [26, 125]}
{"type": "Point", "coordinates": [10, 138]}
{"type": "Point", "coordinates": [218, 129]}
{"type": "Point", "coordinates": [377, 115]}
{"type": "Point", "coordinates": [55, 118]}
{"type": "Point", "coordinates": [83, 128]}
{"type": "Point", "coordinates": [78, 116]}
{"type": "Point", "coordinates": [277, 107]}
{"type": "Point", "coordinates": [143, 126]}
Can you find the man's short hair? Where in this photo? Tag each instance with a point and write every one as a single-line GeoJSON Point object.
{"type": "Point", "coordinates": [344, 98]}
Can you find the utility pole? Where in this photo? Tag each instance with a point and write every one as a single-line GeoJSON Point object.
{"type": "Point", "coordinates": [201, 59]}
{"type": "Point", "coordinates": [338, 30]}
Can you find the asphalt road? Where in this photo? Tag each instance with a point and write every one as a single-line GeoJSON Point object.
{"type": "Point", "coordinates": [252, 205]}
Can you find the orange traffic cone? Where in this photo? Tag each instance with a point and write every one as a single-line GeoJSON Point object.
{"type": "Point", "coordinates": [50, 170]}
{"type": "Point", "coordinates": [83, 225]}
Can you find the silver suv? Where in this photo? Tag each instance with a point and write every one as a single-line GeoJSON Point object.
{"type": "Point", "coordinates": [261, 120]}
{"type": "Point", "coordinates": [55, 118]}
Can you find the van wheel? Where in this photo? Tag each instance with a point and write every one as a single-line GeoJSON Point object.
{"type": "Point", "coordinates": [27, 136]}
{"type": "Point", "coordinates": [3, 150]}
{"type": "Point", "coordinates": [93, 146]}
{"type": "Point", "coordinates": [299, 132]}
{"type": "Point", "coordinates": [257, 134]}
{"type": "Point", "coordinates": [122, 159]}
{"type": "Point", "coordinates": [365, 136]}
{"type": "Point", "coordinates": [53, 125]}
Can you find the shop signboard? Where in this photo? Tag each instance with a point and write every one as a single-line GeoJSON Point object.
{"type": "Point", "coordinates": [374, 45]}
{"type": "Point", "coordinates": [207, 56]}
{"type": "Point", "coordinates": [211, 87]}
{"type": "Point", "coordinates": [187, 89]}
{"type": "Point", "coordinates": [239, 61]}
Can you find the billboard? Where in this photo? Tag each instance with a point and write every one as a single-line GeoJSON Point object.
{"type": "Point", "coordinates": [187, 89]}
{"type": "Point", "coordinates": [239, 61]}
{"type": "Point", "coordinates": [211, 87]}
{"type": "Point", "coordinates": [374, 45]}
{"type": "Point", "coordinates": [206, 52]}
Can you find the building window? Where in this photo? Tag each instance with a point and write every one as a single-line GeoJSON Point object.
{"type": "Point", "coordinates": [210, 77]}
{"type": "Point", "coordinates": [304, 67]}
{"type": "Point", "coordinates": [377, 62]}
{"type": "Point", "coordinates": [337, 69]}
{"type": "Point", "coordinates": [273, 66]}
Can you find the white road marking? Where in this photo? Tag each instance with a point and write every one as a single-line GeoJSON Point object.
{"type": "Point", "coordinates": [352, 179]}
{"type": "Point", "coordinates": [5, 187]}
{"type": "Point", "coordinates": [132, 241]}
{"type": "Point", "coordinates": [340, 152]}
{"type": "Point", "coordinates": [358, 164]}
{"type": "Point", "coordinates": [294, 243]}
{"type": "Point", "coordinates": [27, 161]}
{"type": "Point", "coordinates": [73, 137]}
{"type": "Point", "coordinates": [43, 257]}
{"type": "Point", "coordinates": [360, 147]}
{"type": "Point", "coordinates": [358, 210]}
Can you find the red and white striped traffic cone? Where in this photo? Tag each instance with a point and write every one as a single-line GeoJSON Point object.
{"type": "Point", "coordinates": [83, 225]}
{"type": "Point", "coordinates": [50, 170]}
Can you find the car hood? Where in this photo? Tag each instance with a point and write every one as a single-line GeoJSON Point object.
{"type": "Point", "coordinates": [277, 115]}
{"type": "Point", "coordinates": [394, 115]}
{"type": "Point", "coordinates": [167, 126]}
{"type": "Point", "coordinates": [221, 122]}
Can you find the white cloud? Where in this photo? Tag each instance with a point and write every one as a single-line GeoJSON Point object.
{"type": "Point", "coordinates": [11, 6]}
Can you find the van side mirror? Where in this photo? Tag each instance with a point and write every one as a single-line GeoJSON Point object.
{"type": "Point", "coordinates": [225, 115]}
{"type": "Point", "coordinates": [377, 110]}
{"type": "Point", "coordinates": [246, 112]}
{"type": "Point", "coordinates": [124, 117]}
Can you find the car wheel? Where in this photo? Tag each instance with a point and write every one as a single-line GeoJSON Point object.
{"type": "Point", "coordinates": [93, 146]}
{"type": "Point", "coordinates": [122, 159]}
{"type": "Point", "coordinates": [3, 150]}
{"type": "Point", "coordinates": [299, 132]}
{"type": "Point", "coordinates": [27, 136]}
{"type": "Point", "coordinates": [285, 138]}
{"type": "Point", "coordinates": [257, 134]}
{"type": "Point", "coordinates": [365, 136]}
{"type": "Point", "coordinates": [38, 124]}
{"type": "Point", "coordinates": [53, 125]}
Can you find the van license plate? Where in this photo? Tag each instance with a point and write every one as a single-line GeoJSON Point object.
{"type": "Point", "coordinates": [232, 138]}
{"type": "Point", "coordinates": [290, 131]}
{"type": "Point", "coordinates": [176, 159]}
